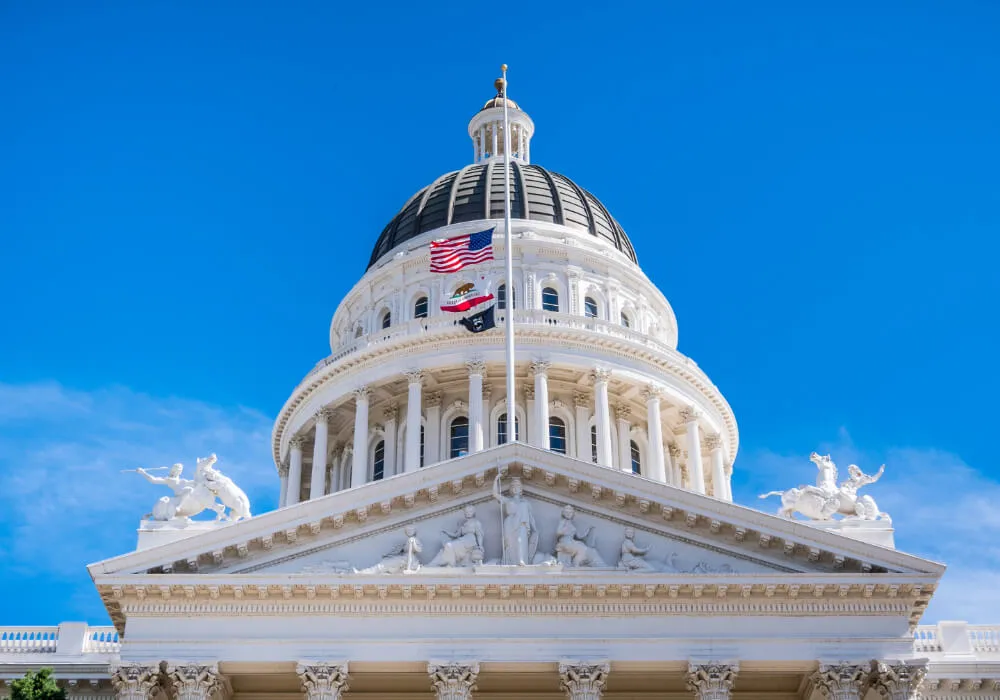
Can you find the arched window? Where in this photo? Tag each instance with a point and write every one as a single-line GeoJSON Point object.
{"type": "Point", "coordinates": [358, 332]}
{"type": "Point", "coordinates": [459, 437]}
{"type": "Point", "coordinates": [550, 299]}
{"type": "Point", "coordinates": [502, 429]}
{"type": "Point", "coordinates": [386, 319]}
{"type": "Point", "coordinates": [625, 321]}
{"type": "Point", "coordinates": [378, 464]}
{"type": "Point", "coordinates": [593, 443]}
{"type": "Point", "coordinates": [636, 458]}
{"type": "Point", "coordinates": [420, 308]}
{"type": "Point", "coordinates": [589, 307]}
{"type": "Point", "coordinates": [502, 297]}
{"type": "Point", "coordinates": [557, 435]}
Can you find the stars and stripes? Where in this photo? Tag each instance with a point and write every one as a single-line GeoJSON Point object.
{"type": "Point", "coordinates": [452, 254]}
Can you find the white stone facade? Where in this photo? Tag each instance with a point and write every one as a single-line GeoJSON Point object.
{"type": "Point", "coordinates": [596, 553]}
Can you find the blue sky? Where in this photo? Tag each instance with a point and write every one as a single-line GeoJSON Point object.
{"type": "Point", "coordinates": [187, 192]}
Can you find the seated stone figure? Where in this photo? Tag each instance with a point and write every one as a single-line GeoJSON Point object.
{"type": "Point", "coordinates": [463, 546]}
{"type": "Point", "coordinates": [572, 549]}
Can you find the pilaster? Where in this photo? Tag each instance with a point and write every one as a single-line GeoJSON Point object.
{"type": "Point", "coordinates": [582, 680]}
{"type": "Point", "coordinates": [453, 680]}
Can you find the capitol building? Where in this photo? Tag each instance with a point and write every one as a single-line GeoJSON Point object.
{"type": "Point", "coordinates": [590, 548]}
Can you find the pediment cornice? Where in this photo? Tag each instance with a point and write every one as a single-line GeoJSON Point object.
{"type": "Point", "coordinates": [238, 555]}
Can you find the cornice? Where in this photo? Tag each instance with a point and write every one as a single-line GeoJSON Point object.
{"type": "Point", "coordinates": [656, 356]}
{"type": "Point", "coordinates": [841, 567]}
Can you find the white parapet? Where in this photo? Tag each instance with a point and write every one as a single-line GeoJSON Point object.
{"type": "Point", "coordinates": [878, 532]}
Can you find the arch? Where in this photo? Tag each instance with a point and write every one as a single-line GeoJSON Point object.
{"type": "Point", "coordinates": [590, 307]}
{"type": "Point", "coordinates": [614, 439]}
{"type": "Point", "coordinates": [359, 331]}
{"type": "Point", "coordinates": [458, 437]}
{"type": "Point", "coordinates": [454, 410]}
{"type": "Point", "coordinates": [376, 436]}
{"type": "Point", "coordinates": [419, 303]}
{"type": "Point", "coordinates": [378, 461]}
{"type": "Point", "coordinates": [550, 298]}
{"type": "Point", "coordinates": [558, 435]}
{"type": "Point", "coordinates": [501, 296]}
{"type": "Point", "coordinates": [558, 409]}
{"type": "Point", "coordinates": [385, 318]}
{"type": "Point", "coordinates": [638, 438]}
{"type": "Point", "coordinates": [401, 443]}
{"type": "Point", "coordinates": [625, 319]}
{"type": "Point", "coordinates": [498, 410]}
{"type": "Point", "coordinates": [557, 283]}
{"type": "Point", "coordinates": [594, 292]}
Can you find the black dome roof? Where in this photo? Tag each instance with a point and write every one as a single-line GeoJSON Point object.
{"type": "Point", "coordinates": [476, 192]}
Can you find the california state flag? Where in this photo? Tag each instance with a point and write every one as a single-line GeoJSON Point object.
{"type": "Point", "coordinates": [464, 298]}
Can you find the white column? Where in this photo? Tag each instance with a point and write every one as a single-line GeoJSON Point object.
{"type": "Point", "coordinates": [602, 414]}
{"type": "Point", "coordinates": [487, 412]}
{"type": "Point", "coordinates": [453, 680]}
{"type": "Point", "coordinates": [540, 368]}
{"type": "Point", "coordinates": [294, 470]}
{"type": "Point", "coordinates": [477, 368]}
{"type": "Point", "coordinates": [322, 681]}
{"type": "Point", "coordinates": [622, 414]}
{"type": "Point", "coordinates": [696, 471]}
{"type": "Point", "coordinates": [899, 680]}
{"type": "Point", "coordinates": [583, 681]}
{"type": "Point", "coordinates": [482, 142]}
{"type": "Point", "coordinates": [359, 468]}
{"type": "Point", "coordinates": [432, 431]}
{"type": "Point", "coordinates": [194, 681]}
{"type": "Point", "coordinates": [346, 462]}
{"type": "Point", "coordinates": [333, 471]}
{"type": "Point", "coordinates": [712, 681]}
{"type": "Point", "coordinates": [728, 468]}
{"type": "Point", "coordinates": [133, 681]}
{"type": "Point", "coordinates": [283, 476]}
{"type": "Point", "coordinates": [713, 442]}
{"type": "Point", "coordinates": [654, 432]}
{"type": "Point", "coordinates": [414, 379]}
{"type": "Point", "coordinates": [843, 681]}
{"type": "Point", "coordinates": [676, 474]}
{"type": "Point", "coordinates": [389, 417]}
{"type": "Point", "coordinates": [495, 139]}
{"type": "Point", "coordinates": [317, 483]}
{"type": "Point", "coordinates": [581, 403]}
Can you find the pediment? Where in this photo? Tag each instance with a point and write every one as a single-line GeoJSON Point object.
{"type": "Point", "coordinates": [356, 538]}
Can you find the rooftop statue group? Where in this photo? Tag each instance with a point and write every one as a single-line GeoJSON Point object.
{"type": "Point", "coordinates": [826, 499]}
{"type": "Point", "coordinates": [209, 490]}
{"type": "Point", "coordinates": [465, 546]}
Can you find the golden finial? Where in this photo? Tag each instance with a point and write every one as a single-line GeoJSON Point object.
{"type": "Point", "coordinates": [499, 84]}
{"type": "Point", "coordinates": [503, 68]}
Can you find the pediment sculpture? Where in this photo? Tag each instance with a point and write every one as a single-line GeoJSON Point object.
{"type": "Point", "coordinates": [826, 498]}
{"type": "Point", "coordinates": [210, 489]}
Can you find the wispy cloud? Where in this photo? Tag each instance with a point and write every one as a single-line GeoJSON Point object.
{"type": "Point", "coordinates": [942, 509]}
{"type": "Point", "coordinates": [64, 502]}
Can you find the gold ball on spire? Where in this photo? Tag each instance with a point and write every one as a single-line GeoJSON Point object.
{"type": "Point", "coordinates": [499, 84]}
{"type": "Point", "coordinates": [503, 67]}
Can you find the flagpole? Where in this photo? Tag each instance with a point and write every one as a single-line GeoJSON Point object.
{"type": "Point", "coordinates": [509, 255]}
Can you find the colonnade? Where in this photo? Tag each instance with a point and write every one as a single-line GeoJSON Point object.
{"type": "Point", "coordinates": [579, 680]}
{"type": "Point", "coordinates": [685, 459]}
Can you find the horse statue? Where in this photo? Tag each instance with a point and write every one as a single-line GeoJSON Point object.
{"type": "Point", "coordinates": [826, 499]}
{"type": "Point", "coordinates": [192, 496]}
{"type": "Point", "coordinates": [231, 495]}
{"type": "Point", "coordinates": [817, 502]}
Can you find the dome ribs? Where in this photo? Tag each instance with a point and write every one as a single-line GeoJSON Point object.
{"type": "Point", "coordinates": [476, 192]}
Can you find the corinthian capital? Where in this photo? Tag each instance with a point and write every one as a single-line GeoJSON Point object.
{"type": "Point", "coordinates": [583, 681]}
{"type": "Point", "coordinates": [842, 681]}
{"type": "Point", "coordinates": [453, 681]}
{"type": "Point", "coordinates": [711, 681]}
{"type": "Point", "coordinates": [323, 681]}
{"type": "Point", "coordinates": [713, 441]}
{"type": "Point", "coordinates": [689, 414]}
{"type": "Point", "coordinates": [324, 414]}
{"type": "Point", "coordinates": [414, 376]}
{"type": "Point", "coordinates": [600, 375]}
{"type": "Point", "coordinates": [362, 393]}
{"type": "Point", "coordinates": [390, 411]}
{"type": "Point", "coordinates": [540, 366]}
{"type": "Point", "coordinates": [433, 398]}
{"type": "Point", "coordinates": [297, 442]}
{"type": "Point", "coordinates": [898, 680]}
{"type": "Point", "coordinates": [476, 365]}
{"type": "Point", "coordinates": [582, 399]}
{"type": "Point", "coordinates": [651, 392]}
{"type": "Point", "coordinates": [622, 412]}
{"type": "Point", "coordinates": [134, 681]}
{"type": "Point", "coordinates": [195, 681]}
{"type": "Point", "coordinates": [529, 393]}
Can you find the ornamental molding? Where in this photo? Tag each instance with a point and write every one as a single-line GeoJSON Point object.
{"type": "Point", "coordinates": [194, 681]}
{"type": "Point", "coordinates": [899, 680]}
{"type": "Point", "coordinates": [582, 680]}
{"type": "Point", "coordinates": [842, 681]}
{"type": "Point", "coordinates": [659, 359]}
{"type": "Point", "coordinates": [712, 681]}
{"type": "Point", "coordinates": [453, 680]}
{"type": "Point", "coordinates": [322, 681]}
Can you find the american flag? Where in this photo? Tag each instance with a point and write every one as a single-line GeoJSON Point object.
{"type": "Point", "coordinates": [452, 254]}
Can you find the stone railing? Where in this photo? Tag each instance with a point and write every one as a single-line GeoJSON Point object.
{"type": "Point", "coordinates": [68, 639]}
{"type": "Point", "coordinates": [957, 639]}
